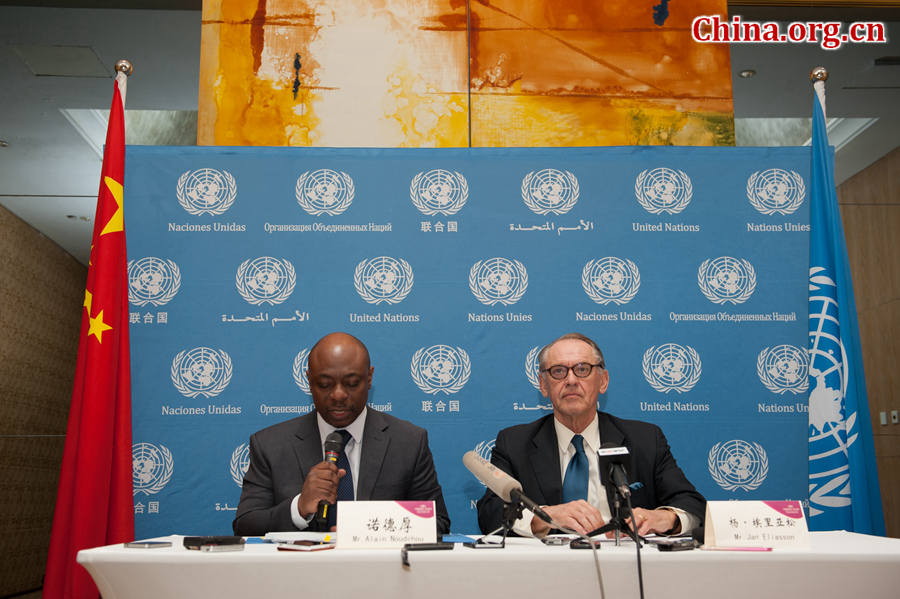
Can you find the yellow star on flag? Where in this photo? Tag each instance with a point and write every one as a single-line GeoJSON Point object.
{"type": "Point", "coordinates": [97, 327]}
{"type": "Point", "coordinates": [88, 297]}
{"type": "Point", "coordinates": [117, 220]}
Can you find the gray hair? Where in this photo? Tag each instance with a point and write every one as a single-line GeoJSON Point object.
{"type": "Point", "coordinates": [598, 354]}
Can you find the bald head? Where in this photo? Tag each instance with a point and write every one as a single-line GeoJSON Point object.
{"type": "Point", "coordinates": [339, 346]}
{"type": "Point", "coordinates": [340, 376]}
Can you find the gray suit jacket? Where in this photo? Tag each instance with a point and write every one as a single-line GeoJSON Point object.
{"type": "Point", "coordinates": [395, 464]}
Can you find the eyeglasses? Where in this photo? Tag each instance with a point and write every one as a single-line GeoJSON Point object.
{"type": "Point", "coordinates": [581, 370]}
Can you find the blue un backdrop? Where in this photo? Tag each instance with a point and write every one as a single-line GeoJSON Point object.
{"type": "Point", "coordinates": [687, 265]}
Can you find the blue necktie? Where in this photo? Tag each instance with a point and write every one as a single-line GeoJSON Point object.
{"type": "Point", "coordinates": [345, 485]}
{"type": "Point", "coordinates": [575, 485]}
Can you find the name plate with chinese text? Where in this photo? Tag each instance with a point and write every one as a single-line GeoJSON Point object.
{"type": "Point", "coordinates": [756, 524]}
{"type": "Point", "coordinates": [385, 524]}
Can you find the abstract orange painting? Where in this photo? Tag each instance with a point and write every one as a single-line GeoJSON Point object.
{"type": "Point", "coordinates": [453, 73]}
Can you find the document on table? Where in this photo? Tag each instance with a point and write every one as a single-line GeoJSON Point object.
{"type": "Point", "coordinates": [290, 536]}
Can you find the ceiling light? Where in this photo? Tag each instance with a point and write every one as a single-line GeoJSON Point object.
{"type": "Point", "coordinates": [747, 73]}
{"type": "Point", "coordinates": [3, 143]}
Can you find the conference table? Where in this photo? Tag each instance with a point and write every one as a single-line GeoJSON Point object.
{"type": "Point", "coordinates": [837, 564]}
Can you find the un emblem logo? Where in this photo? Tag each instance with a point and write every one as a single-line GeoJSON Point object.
{"type": "Point", "coordinates": [776, 191]}
{"type": "Point", "coordinates": [383, 279]}
{"type": "Point", "coordinates": [663, 190]}
{"type": "Point", "coordinates": [726, 279]}
{"type": "Point", "coordinates": [738, 464]}
{"type": "Point", "coordinates": [784, 368]}
{"type": "Point", "coordinates": [201, 371]}
{"type": "Point", "coordinates": [240, 462]}
{"type": "Point", "coordinates": [152, 281]}
{"type": "Point", "coordinates": [671, 367]}
{"type": "Point", "coordinates": [324, 192]}
{"type": "Point", "coordinates": [301, 364]}
{"type": "Point", "coordinates": [831, 429]}
{"type": "Point", "coordinates": [611, 280]}
{"type": "Point", "coordinates": [439, 192]}
{"type": "Point", "coordinates": [533, 368]}
{"type": "Point", "coordinates": [440, 368]}
{"type": "Point", "coordinates": [484, 449]}
{"type": "Point", "coordinates": [151, 467]}
{"type": "Point", "coordinates": [550, 191]}
{"type": "Point", "coordinates": [498, 281]}
{"type": "Point", "coordinates": [206, 191]}
{"type": "Point", "coordinates": [265, 280]}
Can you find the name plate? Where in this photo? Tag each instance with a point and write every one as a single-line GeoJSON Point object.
{"type": "Point", "coordinates": [757, 524]}
{"type": "Point", "coordinates": [385, 524]}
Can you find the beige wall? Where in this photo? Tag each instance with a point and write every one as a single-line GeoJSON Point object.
{"type": "Point", "coordinates": [41, 293]}
{"type": "Point", "coordinates": [870, 208]}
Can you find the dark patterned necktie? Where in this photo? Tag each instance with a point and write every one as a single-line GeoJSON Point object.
{"type": "Point", "coordinates": [575, 485]}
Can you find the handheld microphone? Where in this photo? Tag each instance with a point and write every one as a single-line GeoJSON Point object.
{"type": "Point", "coordinates": [502, 484]}
{"type": "Point", "coordinates": [612, 457]}
{"type": "Point", "coordinates": [334, 444]}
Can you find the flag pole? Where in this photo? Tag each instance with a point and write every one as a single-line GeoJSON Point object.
{"type": "Point", "coordinates": [124, 69]}
{"type": "Point", "coordinates": [818, 76]}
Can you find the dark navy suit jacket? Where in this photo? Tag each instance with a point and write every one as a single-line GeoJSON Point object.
{"type": "Point", "coordinates": [529, 453]}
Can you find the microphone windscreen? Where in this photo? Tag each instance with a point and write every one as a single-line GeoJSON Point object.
{"type": "Point", "coordinates": [334, 443]}
{"type": "Point", "coordinates": [495, 479]}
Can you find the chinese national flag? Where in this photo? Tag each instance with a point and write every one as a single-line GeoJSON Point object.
{"type": "Point", "coordinates": [94, 501]}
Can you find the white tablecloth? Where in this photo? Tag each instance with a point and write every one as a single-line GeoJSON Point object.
{"type": "Point", "coordinates": [838, 564]}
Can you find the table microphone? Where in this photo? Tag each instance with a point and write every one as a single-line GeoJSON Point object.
{"type": "Point", "coordinates": [612, 457]}
{"type": "Point", "coordinates": [334, 445]}
{"type": "Point", "coordinates": [506, 487]}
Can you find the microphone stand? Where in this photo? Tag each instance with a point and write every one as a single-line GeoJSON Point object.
{"type": "Point", "coordinates": [511, 513]}
{"type": "Point", "coordinates": [617, 523]}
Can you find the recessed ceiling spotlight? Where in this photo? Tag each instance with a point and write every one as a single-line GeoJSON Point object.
{"type": "Point", "coordinates": [747, 73]}
{"type": "Point", "coordinates": [3, 143]}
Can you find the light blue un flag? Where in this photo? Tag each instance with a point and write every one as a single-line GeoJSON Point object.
{"type": "Point", "coordinates": [843, 479]}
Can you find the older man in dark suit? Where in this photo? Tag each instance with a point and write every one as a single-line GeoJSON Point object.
{"type": "Point", "coordinates": [555, 458]}
{"type": "Point", "coordinates": [384, 457]}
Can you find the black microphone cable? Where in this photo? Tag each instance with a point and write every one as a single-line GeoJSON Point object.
{"type": "Point", "coordinates": [637, 543]}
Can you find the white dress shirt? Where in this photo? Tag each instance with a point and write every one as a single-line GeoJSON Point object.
{"type": "Point", "coordinates": [353, 450]}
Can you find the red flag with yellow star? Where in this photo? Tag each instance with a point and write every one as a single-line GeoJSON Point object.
{"type": "Point", "coordinates": [94, 501]}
